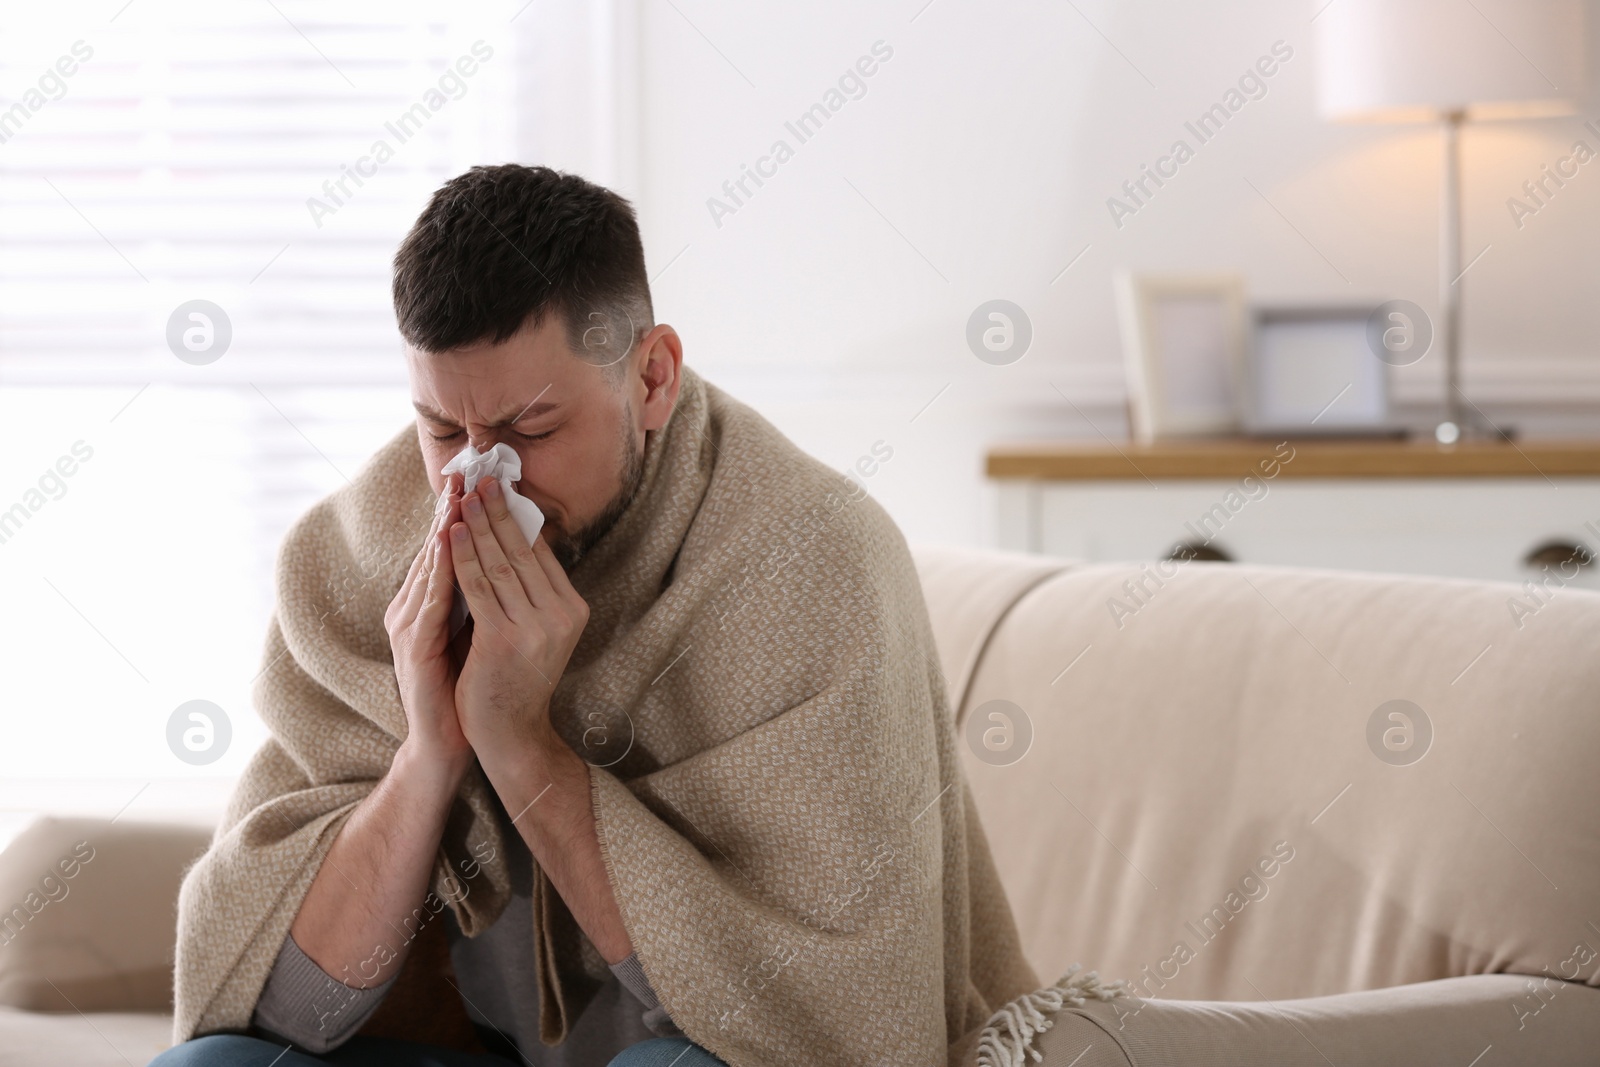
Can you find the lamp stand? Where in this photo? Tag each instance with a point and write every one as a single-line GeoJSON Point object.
{"type": "Point", "coordinates": [1460, 418]}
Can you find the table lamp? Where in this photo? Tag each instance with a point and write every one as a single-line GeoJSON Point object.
{"type": "Point", "coordinates": [1448, 61]}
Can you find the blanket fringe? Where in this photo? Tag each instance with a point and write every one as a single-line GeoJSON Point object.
{"type": "Point", "coordinates": [1008, 1038]}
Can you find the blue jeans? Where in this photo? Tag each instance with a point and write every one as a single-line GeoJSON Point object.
{"type": "Point", "coordinates": [236, 1050]}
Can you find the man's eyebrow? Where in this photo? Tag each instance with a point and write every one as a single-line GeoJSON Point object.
{"type": "Point", "coordinates": [516, 415]}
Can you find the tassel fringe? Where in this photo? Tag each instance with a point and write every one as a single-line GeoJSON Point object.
{"type": "Point", "coordinates": [1008, 1038]}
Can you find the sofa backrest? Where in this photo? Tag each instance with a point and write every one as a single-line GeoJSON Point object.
{"type": "Point", "coordinates": [1248, 782]}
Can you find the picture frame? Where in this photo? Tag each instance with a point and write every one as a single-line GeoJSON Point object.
{"type": "Point", "coordinates": [1310, 372]}
{"type": "Point", "coordinates": [1184, 340]}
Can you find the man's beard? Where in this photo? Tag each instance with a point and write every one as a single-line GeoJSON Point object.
{"type": "Point", "coordinates": [569, 548]}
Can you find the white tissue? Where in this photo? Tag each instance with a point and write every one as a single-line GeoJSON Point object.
{"type": "Point", "coordinates": [504, 465]}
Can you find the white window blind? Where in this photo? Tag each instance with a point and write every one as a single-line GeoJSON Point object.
{"type": "Point", "coordinates": [175, 163]}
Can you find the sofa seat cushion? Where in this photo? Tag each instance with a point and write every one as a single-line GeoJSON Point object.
{"type": "Point", "coordinates": [1455, 1021]}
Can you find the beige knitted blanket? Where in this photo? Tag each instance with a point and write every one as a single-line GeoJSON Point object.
{"type": "Point", "coordinates": [789, 835]}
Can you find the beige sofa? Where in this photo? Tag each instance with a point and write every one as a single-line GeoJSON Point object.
{"type": "Point", "coordinates": [1197, 782]}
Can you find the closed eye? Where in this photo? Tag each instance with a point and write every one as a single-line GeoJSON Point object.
{"type": "Point", "coordinates": [524, 436]}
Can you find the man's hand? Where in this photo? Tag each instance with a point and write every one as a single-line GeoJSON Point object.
{"type": "Point", "coordinates": [527, 619]}
{"type": "Point", "coordinates": [357, 921]}
{"type": "Point", "coordinates": [424, 665]}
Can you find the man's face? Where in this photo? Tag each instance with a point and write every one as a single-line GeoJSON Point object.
{"type": "Point", "coordinates": [580, 432]}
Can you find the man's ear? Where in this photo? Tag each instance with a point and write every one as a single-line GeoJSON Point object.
{"type": "Point", "coordinates": [659, 376]}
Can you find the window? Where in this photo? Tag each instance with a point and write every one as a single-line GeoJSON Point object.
{"type": "Point", "coordinates": [265, 157]}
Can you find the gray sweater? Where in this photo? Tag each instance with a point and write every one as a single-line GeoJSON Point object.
{"type": "Point", "coordinates": [306, 1006]}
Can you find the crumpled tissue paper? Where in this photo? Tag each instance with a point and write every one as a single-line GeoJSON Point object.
{"type": "Point", "coordinates": [503, 464]}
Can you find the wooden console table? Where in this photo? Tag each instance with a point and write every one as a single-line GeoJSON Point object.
{"type": "Point", "coordinates": [1475, 509]}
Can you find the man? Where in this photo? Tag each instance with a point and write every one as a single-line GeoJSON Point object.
{"type": "Point", "coordinates": [683, 789]}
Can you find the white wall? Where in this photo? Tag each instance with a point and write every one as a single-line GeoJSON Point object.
{"type": "Point", "coordinates": [978, 165]}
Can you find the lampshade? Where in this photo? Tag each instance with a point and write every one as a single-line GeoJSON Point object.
{"type": "Point", "coordinates": [1413, 60]}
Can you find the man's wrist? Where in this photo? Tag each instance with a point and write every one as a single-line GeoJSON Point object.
{"type": "Point", "coordinates": [528, 740]}
{"type": "Point", "coordinates": [538, 778]}
{"type": "Point", "coordinates": [431, 775]}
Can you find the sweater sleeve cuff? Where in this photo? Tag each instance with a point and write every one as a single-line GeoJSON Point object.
{"type": "Point", "coordinates": [308, 1007]}
{"type": "Point", "coordinates": [631, 974]}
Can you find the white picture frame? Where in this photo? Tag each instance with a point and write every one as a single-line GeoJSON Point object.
{"type": "Point", "coordinates": [1310, 372]}
{"type": "Point", "coordinates": [1183, 339]}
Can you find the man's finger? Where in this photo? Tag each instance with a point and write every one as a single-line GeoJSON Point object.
{"type": "Point", "coordinates": [424, 552]}
{"type": "Point", "coordinates": [442, 589]}
{"type": "Point", "coordinates": [535, 583]}
{"type": "Point", "coordinates": [475, 585]}
{"type": "Point", "coordinates": [415, 588]}
{"type": "Point", "coordinates": [419, 560]}
{"type": "Point", "coordinates": [416, 578]}
{"type": "Point", "coordinates": [492, 557]}
{"type": "Point", "coordinates": [439, 590]}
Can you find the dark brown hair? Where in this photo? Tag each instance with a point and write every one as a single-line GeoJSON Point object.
{"type": "Point", "coordinates": [499, 247]}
